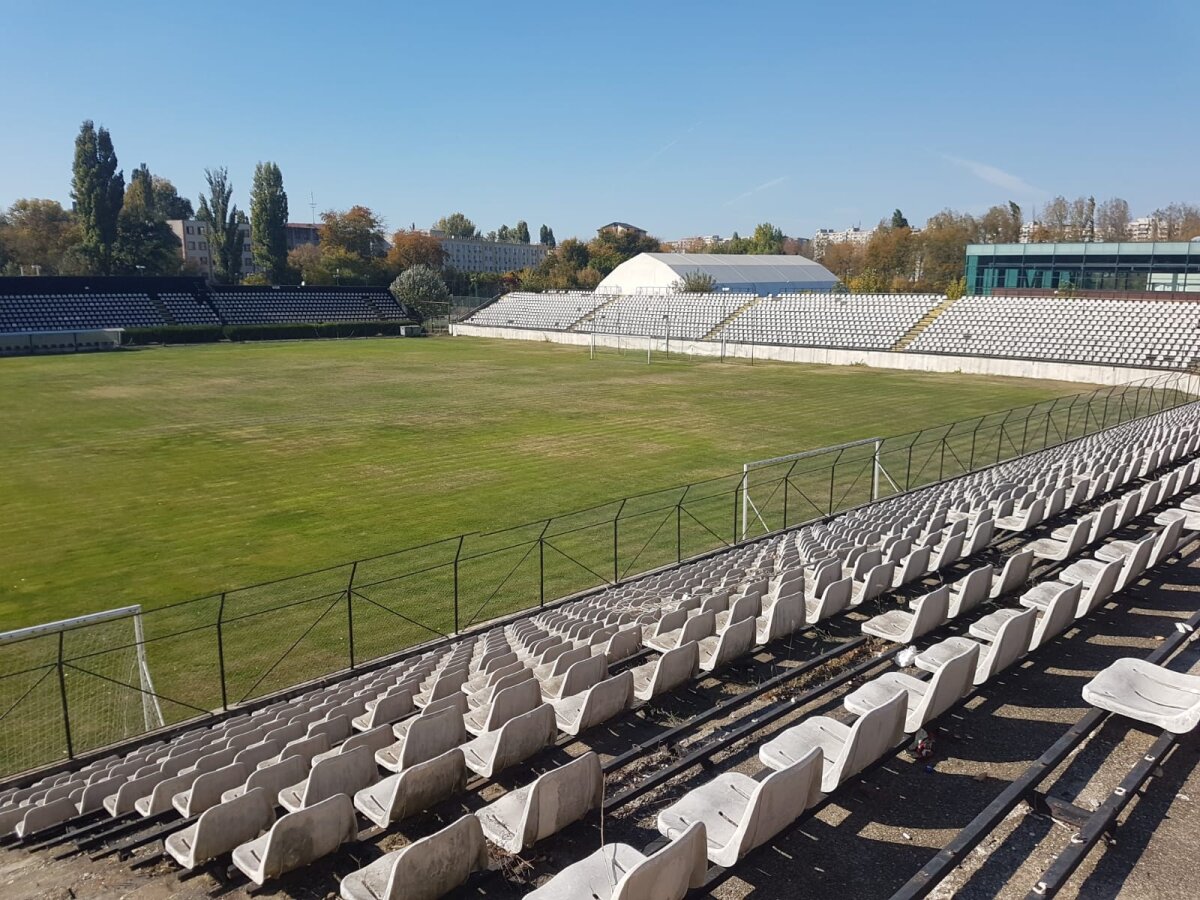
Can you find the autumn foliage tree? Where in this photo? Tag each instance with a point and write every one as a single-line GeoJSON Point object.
{"type": "Point", "coordinates": [414, 248]}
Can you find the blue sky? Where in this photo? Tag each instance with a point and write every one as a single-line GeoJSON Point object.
{"type": "Point", "coordinates": [697, 118]}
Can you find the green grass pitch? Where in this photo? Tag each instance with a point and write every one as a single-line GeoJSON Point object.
{"type": "Point", "coordinates": [156, 475]}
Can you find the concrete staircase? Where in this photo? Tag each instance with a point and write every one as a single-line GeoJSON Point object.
{"type": "Point", "coordinates": [574, 326]}
{"type": "Point", "coordinates": [913, 333]}
{"type": "Point", "coordinates": [716, 329]}
{"type": "Point", "coordinates": [162, 309]}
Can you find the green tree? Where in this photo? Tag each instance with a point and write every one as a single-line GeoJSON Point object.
{"type": "Point", "coordinates": [37, 233]}
{"type": "Point", "coordinates": [608, 249]}
{"type": "Point", "coordinates": [170, 205]}
{"type": "Point", "coordinates": [695, 283]}
{"type": "Point", "coordinates": [98, 189]}
{"type": "Point", "coordinates": [521, 232]}
{"type": "Point", "coordinates": [139, 195]}
{"type": "Point", "coordinates": [222, 219]}
{"type": "Point", "coordinates": [145, 246]}
{"type": "Point", "coordinates": [504, 234]}
{"type": "Point", "coordinates": [546, 237]}
{"type": "Point", "coordinates": [420, 287]}
{"type": "Point", "coordinates": [456, 225]}
{"type": "Point", "coordinates": [898, 220]}
{"type": "Point", "coordinates": [767, 239]}
{"type": "Point", "coordinates": [268, 221]}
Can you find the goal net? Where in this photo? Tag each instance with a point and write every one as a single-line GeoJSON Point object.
{"type": "Point", "coordinates": [74, 685]}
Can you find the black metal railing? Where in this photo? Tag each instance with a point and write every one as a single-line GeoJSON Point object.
{"type": "Point", "coordinates": [70, 692]}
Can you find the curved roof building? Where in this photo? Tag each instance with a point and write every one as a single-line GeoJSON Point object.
{"type": "Point", "coordinates": [657, 273]}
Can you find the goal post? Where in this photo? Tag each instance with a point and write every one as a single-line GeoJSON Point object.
{"type": "Point", "coordinates": [108, 632]}
{"type": "Point", "coordinates": [751, 511]}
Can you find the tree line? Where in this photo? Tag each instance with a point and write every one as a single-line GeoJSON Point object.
{"type": "Point", "coordinates": [899, 258]}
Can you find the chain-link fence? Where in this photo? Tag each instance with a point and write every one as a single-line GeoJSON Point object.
{"type": "Point", "coordinates": [66, 694]}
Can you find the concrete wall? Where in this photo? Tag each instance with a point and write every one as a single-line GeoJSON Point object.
{"type": "Point", "coordinates": [877, 359]}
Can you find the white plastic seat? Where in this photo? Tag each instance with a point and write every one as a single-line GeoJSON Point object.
{"type": "Point", "coordinates": [620, 872]}
{"type": "Point", "coordinates": [221, 828]}
{"type": "Point", "coordinates": [1051, 620]}
{"type": "Point", "coordinates": [695, 628]}
{"type": "Point", "coordinates": [673, 668]}
{"type": "Point", "coordinates": [1073, 539]}
{"type": "Point", "coordinates": [926, 700]}
{"type": "Point", "coordinates": [298, 839]}
{"type": "Point", "coordinates": [581, 676]}
{"type": "Point", "coordinates": [344, 773]}
{"type": "Point", "coordinates": [740, 813]}
{"type": "Point", "coordinates": [426, 869]}
{"type": "Point", "coordinates": [416, 788]}
{"type": "Point", "coordinates": [878, 580]}
{"type": "Point", "coordinates": [553, 801]}
{"type": "Point", "coordinates": [734, 641]}
{"type": "Point", "coordinates": [576, 714]}
{"type": "Point", "coordinates": [1151, 694]}
{"type": "Point", "coordinates": [1013, 575]}
{"type": "Point", "coordinates": [846, 749]}
{"type": "Point", "coordinates": [903, 627]}
{"type": "Point", "coordinates": [515, 740]}
{"type": "Point", "coordinates": [424, 738]}
{"type": "Point", "coordinates": [271, 778]}
{"type": "Point", "coordinates": [969, 591]}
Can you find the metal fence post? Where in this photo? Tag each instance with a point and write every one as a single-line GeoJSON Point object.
{"type": "Point", "coordinates": [617, 540]}
{"type": "Point", "coordinates": [736, 490]}
{"type": "Point", "coordinates": [62, 692]}
{"type": "Point", "coordinates": [221, 651]}
{"type": "Point", "coordinates": [350, 610]}
{"type": "Point", "coordinates": [541, 570]}
{"type": "Point", "coordinates": [457, 554]}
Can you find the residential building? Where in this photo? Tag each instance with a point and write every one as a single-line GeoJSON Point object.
{"type": "Point", "coordinates": [621, 228]}
{"type": "Point", "coordinates": [827, 236]}
{"type": "Point", "coordinates": [1097, 266]}
{"type": "Point", "coordinates": [196, 247]}
{"type": "Point", "coordinates": [697, 244]}
{"type": "Point", "coordinates": [300, 234]}
{"type": "Point", "coordinates": [478, 255]}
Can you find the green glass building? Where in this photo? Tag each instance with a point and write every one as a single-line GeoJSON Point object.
{"type": "Point", "coordinates": [1162, 266]}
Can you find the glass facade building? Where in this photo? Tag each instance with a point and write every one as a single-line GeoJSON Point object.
{"type": "Point", "coordinates": [1163, 266]}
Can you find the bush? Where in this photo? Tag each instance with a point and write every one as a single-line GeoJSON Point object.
{"type": "Point", "coordinates": [284, 332]}
{"type": "Point", "coordinates": [173, 334]}
{"type": "Point", "coordinates": [207, 334]}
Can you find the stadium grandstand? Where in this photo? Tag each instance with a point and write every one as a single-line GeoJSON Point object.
{"type": "Point", "coordinates": [1138, 333]}
{"type": "Point", "coordinates": [31, 307]}
{"type": "Point", "coordinates": [541, 737]}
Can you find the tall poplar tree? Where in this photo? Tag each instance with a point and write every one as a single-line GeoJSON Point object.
{"type": "Point", "coordinates": [222, 219]}
{"type": "Point", "coordinates": [268, 221]}
{"type": "Point", "coordinates": [98, 189]}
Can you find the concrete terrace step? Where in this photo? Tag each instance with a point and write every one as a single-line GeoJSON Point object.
{"type": "Point", "coordinates": [913, 333]}
{"type": "Point", "coordinates": [712, 333]}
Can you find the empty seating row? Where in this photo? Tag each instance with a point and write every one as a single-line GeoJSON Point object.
{"type": "Point", "coordinates": [256, 305]}
{"type": "Point", "coordinates": [555, 311]}
{"type": "Point", "coordinates": [869, 321]}
{"type": "Point", "coordinates": [1112, 332]}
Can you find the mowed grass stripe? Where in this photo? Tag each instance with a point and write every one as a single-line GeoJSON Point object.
{"type": "Point", "coordinates": [151, 476]}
